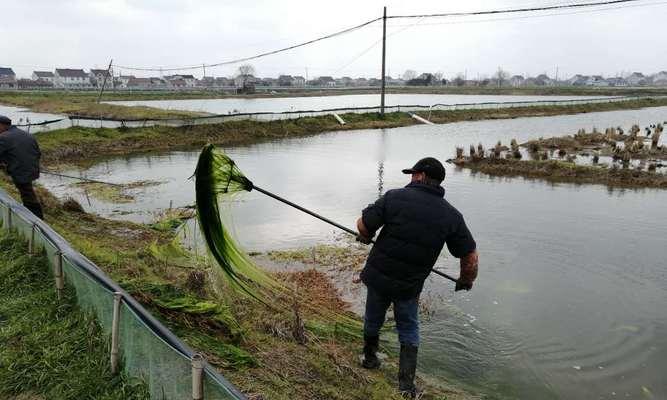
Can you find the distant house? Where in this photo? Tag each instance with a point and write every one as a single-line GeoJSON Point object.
{"type": "Point", "coordinates": [189, 81]}
{"type": "Point", "coordinates": [46, 76]}
{"type": "Point", "coordinates": [596, 80]}
{"type": "Point", "coordinates": [158, 83]}
{"type": "Point", "coordinates": [577, 80]}
{"type": "Point", "coordinates": [544, 80]}
{"type": "Point", "coordinates": [68, 78]}
{"type": "Point", "coordinates": [97, 77]}
{"type": "Point", "coordinates": [268, 82]}
{"type": "Point", "coordinates": [516, 81]}
{"type": "Point", "coordinates": [618, 82]}
{"type": "Point", "coordinates": [122, 81]}
{"type": "Point", "coordinates": [660, 79]}
{"type": "Point", "coordinates": [326, 81]}
{"type": "Point", "coordinates": [139, 83]}
{"type": "Point", "coordinates": [637, 79]}
{"type": "Point", "coordinates": [221, 81]}
{"type": "Point", "coordinates": [394, 81]}
{"type": "Point", "coordinates": [7, 78]}
{"type": "Point", "coordinates": [361, 82]}
{"type": "Point", "coordinates": [298, 81]}
{"type": "Point", "coordinates": [206, 82]}
{"type": "Point", "coordinates": [285, 80]}
{"type": "Point", "coordinates": [176, 83]}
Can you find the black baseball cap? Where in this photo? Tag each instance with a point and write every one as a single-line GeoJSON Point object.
{"type": "Point", "coordinates": [430, 166]}
{"type": "Point", "coordinates": [5, 120]}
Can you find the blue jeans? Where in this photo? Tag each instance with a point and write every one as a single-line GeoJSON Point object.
{"type": "Point", "coordinates": [406, 315]}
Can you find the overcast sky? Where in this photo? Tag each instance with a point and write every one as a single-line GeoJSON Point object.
{"type": "Point", "coordinates": [44, 34]}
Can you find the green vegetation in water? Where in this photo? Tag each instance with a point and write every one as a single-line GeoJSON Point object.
{"type": "Point", "coordinates": [116, 193]}
{"type": "Point", "coordinates": [340, 257]}
{"type": "Point", "coordinates": [50, 349]}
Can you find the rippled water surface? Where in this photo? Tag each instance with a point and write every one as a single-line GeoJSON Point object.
{"type": "Point", "coordinates": [570, 301]}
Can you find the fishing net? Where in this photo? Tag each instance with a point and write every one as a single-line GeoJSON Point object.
{"type": "Point", "coordinates": [217, 180]}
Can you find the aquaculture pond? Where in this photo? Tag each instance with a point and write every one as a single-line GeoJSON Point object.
{"type": "Point", "coordinates": [570, 300]}
{"type": "Point", "coordinates": [281, 104]}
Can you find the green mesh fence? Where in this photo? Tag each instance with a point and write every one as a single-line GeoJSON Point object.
{"type": "Point", "coordinates": [148, 351]}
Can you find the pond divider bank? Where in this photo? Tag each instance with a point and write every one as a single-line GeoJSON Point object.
{"type": "Point", "coordinates": [149, 351]}
{"type": "Point", "coordinates": [183, 118]}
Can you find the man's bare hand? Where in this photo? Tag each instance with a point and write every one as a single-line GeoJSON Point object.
{"type": "Point", "coordinates": [469, 266]}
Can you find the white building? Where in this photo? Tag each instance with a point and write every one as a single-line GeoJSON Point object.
{"type": "Point", "coordinates": [46, 76]}
{"type": "Point", "coordinates": [189, 80]}
{"type": "Point", "coordinates": [68, 78]}
{"type": "Point", "coordinates": [97, 77]}
{"type": "Point", "coordinates": [660, 79]}
{"type": "Point", "coordinates": [7, 78]}
{"type": "Point", "coordinates": [636, 79]}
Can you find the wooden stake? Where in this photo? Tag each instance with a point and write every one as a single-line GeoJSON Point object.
{"type": "Point", "coordinates": [197, 377]}
{"type": "Point", "coordinates": [115, 325]}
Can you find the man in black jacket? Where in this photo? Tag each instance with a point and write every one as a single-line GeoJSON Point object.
{"type": "Point", "coordinates": [417, 222]}
{"type": "Point", "coordinates": [20, 152]}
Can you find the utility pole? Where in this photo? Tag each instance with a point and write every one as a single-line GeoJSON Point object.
{"type": "Point", "coordinates": [204, 68]}
{"type": "Point", "coordinates": [104, 83]}
{"type": "Point", "coordinates": [384, 56]}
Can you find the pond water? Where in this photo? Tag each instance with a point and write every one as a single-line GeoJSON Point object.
{"type": "Point", "coordinates": [21, 116]}
{"type": "Point", "coordinates": [281, 104]}
{"type": "Point", "coordinates": [570, 300]}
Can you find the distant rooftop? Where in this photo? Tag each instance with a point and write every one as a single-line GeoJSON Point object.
{"type": "Point", "coordinates": [71, 73]}
{"type": "Point", "coordinates": [6, 71]}
{"type": "Point", "coordinates": [43, 74]}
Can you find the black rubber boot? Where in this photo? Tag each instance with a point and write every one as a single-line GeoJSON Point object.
{"type": "Point", "coordinates": [406, 371]}
{"type": "Point", "coordinates": [371, 345]}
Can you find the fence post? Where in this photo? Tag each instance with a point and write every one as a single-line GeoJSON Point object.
{"type": "Point", "coordinates": [58, 274]}
{"type": "Point", "coordinates": [31, 240]}
{"type": "Point", "coordinates": [197, 377]}
{"type": "Point", "coordinates": [8, 220]}
{"type": "Point", "coordinates": [115, 324]}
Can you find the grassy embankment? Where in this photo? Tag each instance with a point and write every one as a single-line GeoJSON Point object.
{"type": "Point", "coordinates": [79, 144]}
{"type": "Point", "coordinates": [256, 348]}
{"type": "Point", "coordinates": [85, 104]}
{"type": "Point", "coordinates": [50, 349]}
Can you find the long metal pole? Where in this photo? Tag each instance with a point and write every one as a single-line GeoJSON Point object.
{"type": "Point", "coordinates": [328, 221]}
{"type": "Point", "coordinates": [104, 82]}
{"type": "Point", "coordinates": [384, 56]}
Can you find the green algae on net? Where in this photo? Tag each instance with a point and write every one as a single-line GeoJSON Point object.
{"type": "Point", "coordinates": [217, 179]}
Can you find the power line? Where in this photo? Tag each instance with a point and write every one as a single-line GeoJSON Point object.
{"type": "Point", "coordinates": [240, 60]}
{"type": "Point", "coordinates": [534, 16]}
{"type": "Point", "coordinates": [514, 10]}
{"type": "Point", "coordinates": [362, 25]}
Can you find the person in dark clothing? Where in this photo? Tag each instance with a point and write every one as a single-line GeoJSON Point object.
{"type": "Point", "coordinates": [20, 153]}
{"type": "Point", "coordinates": [416, 223]}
